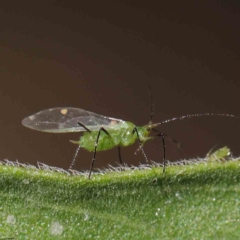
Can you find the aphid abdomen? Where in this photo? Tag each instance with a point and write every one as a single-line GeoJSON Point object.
{"type": "Point", "coordinates": [88, 141]}
{"type": "Point", "coordinates": [127, 137]}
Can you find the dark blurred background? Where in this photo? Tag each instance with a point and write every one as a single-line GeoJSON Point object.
{"type": "Point", "coordinates": [101, 55]}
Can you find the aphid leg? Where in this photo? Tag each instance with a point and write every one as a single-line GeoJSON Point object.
{"type": "Point", "coordinates": [119, 155]}
{"type": "Point", "coordinates": [76, 153]}
{"type": "Point", "coordinates": [164, 149]}
{"type": "Point", "coordinates": [140, 143]}
{"type": "Point", "coordinates": [95, 149]}
{"type": "Point", "coordinates": [82, 125]}
{"type": "Point", "coordinates": [164, 135]}
{"type": "Point", "coordinates": [74, 158]}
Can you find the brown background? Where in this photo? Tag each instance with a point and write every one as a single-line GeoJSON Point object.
{"type": "Point", "coordinates": [101, 55]}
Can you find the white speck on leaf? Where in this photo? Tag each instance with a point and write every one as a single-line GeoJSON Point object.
{"type": "Point", "coordinates": [158, 210]}
{"type": "Point", "coordinates": [56, 228]}
{"type": "Point", "coordinates": [178, 195]}
{"type": "Point", "coordinates": [86, 217]}
{"type": "Point", "coordinates": [25, 181]}
{"type": "Point", "coordinates": [11, 219]}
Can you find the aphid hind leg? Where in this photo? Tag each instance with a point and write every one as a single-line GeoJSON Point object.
{"type": "Point", "coordinates": [74, 158]}
{"type": "Point", "coordinates": [140, 143]}
{"type": "Point", "coordinates": [95, 149]}
{"type": "Point", "coordinates": [119, 155]}
{"type": "Point", "coordinates": [76, 153]}
{"type": "Point", "coordinates": [82, 125]}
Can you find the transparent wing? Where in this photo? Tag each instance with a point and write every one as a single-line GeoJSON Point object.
{"type": "Point", "coordinates": [62, 120]}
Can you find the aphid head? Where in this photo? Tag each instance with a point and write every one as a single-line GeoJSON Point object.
{"type": "Point", "coordinates": [149, 126]}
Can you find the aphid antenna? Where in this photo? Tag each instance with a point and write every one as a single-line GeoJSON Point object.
{"type": "Point", "coordinates": [149, 124]}
{"type": "Point", "coordinates": [151, 104]}
{"type": "Point", "coordinates": [157, 133]}
{"type": "Point", "coordinates": [192, 116]}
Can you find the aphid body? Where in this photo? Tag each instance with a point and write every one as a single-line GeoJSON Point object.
{"type": "Point", "coordinates": [100, 132]}
{"type": "Point", "coordinates": [120, 135]}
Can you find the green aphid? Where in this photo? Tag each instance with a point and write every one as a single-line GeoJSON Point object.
{"type": "Point", "coordinates": [219, 155]}
{"type": "Point", "coordinates": [100, 132]}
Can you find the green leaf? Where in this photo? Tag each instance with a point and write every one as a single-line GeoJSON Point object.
{"type": "Point", "coordinates": [196, 201]}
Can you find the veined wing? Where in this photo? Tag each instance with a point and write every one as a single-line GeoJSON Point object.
{"type": "Point", "coordinates": [62, 120]}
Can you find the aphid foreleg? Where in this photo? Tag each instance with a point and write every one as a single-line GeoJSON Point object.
{"type": "Point", "coordinates": [162, 135]}
{"type": "Point", "coordinates": [167, 136]}
{"type": "Point", "coordinates": [95, 149]}
{"type": "Point", "coordinates": [140, 143]}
